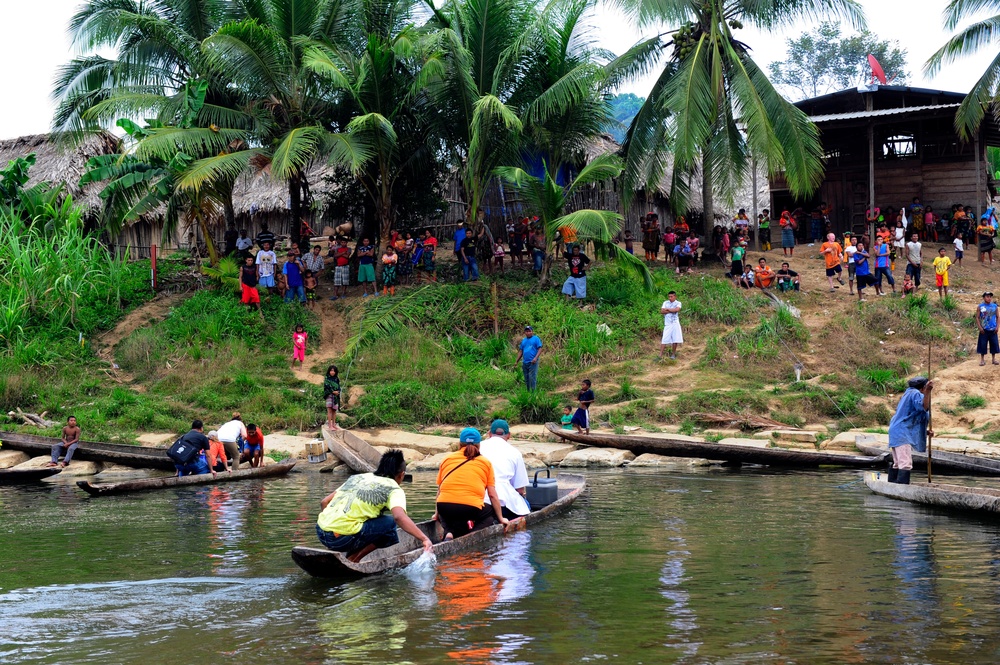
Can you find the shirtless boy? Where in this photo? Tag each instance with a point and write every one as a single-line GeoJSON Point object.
{"type": "Point", "coordinates": [70, 441]}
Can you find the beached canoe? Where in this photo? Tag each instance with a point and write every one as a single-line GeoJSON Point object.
{"type": "Point", "coordinates": [146, 484]}
{"type": "Point", "coordinates": [940, 460]}
{"type": "Point", "coordinates": [352, 450]}
{"type": "Point", "coordinates": [958, 497]}
{"type": "Point", "coordinates": [321, 562]}
{"type": "Point", "coordinates": [18, 476]}
{"type": "Point", "coordinates": [93, 451]}
{"type": "Point", "coordinates": [782, 457]}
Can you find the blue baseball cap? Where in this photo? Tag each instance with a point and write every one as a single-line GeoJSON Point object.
{"type": "Point", "coordinates": [501, 425]}
{"type": "Point", "coordinates": [470, 435]}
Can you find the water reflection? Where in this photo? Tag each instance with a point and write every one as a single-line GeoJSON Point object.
{"type": "Point", "coordinates": [672, 580]}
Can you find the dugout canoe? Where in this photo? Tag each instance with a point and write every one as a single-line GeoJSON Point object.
{"type": "Point", "coordinates": [940, 460]}
{"type": "Point", "coordinates": [352, 450]}
{"type": "Point", "coordinates": [18, 476]}
{"type": "Point", "coordinates": [321, 562]}
{"type": "Point", "coordinates": [93, 451]}
{"type": "Point", "coordinates": [957, 497]}
{"type": "Point", "coordinates": [780, 457]}
{"type": "Point", "coordinates": [146, 484]}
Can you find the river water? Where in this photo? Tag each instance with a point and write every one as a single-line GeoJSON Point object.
{"type": "Point", "coordinates": [708, 567]}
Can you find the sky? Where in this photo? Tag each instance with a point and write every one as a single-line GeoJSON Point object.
{"type": "Point", "coordinates": [34, 43]}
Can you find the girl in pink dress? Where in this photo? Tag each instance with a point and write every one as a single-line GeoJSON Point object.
{"type": "Point", "coordinates": [299, 338]}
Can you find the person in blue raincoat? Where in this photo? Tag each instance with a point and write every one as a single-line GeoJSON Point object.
{"type": "Point", "coordinates": [908, 428]}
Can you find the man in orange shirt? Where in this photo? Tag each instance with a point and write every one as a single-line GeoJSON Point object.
{"type": "Point", "coordinates": [833, 253]}
{"type": "Point", "coordinates": [763, 275]}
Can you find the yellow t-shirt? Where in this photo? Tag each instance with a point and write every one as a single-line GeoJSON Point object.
{"type": "Point", "coordinates": [941, 265]}
{"type": "Point", "coordinates": [466, 485]}
{"type": "Point", "coordinates": [361, 498]}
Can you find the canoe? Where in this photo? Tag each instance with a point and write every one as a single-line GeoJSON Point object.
{"type": "Point", "coordinates": [18, 476]}
{"type": "Point", "coordinates": [959, 497]}
{"type": "Point", "coordinates": [940, 460]}
{"type": "Point", "coordinates": [352, 450]}
{"type": "Point", "coordinates": [94, 451]}
{"type": "Point", "coordinates": [782, 457]}
{"type": "Point", "coordinates": [321, 562]}
{"type": "Point", "coordinates": [146, 484]}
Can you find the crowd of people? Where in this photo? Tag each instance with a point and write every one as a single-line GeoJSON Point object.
{"type": "Point", "coordinates": [222, 450]}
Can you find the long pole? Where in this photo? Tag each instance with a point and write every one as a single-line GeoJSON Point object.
{"type": "Point", "coordinates": [930, 418]}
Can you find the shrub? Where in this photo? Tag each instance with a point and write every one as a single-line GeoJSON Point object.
{"type": "Point", "coordinates": [969, 402]}
{"type": "Point", "coordinates": [535, 406]}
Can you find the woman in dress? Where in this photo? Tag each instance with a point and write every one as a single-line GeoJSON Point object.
{"type": "Point", "coordinates": [651, 236]}
{"type": "Point", "coordinates": [389, 261]}
{"type": "Point", "coordinates": [787, 234]}
{"type": "Point", "coordinates": [986, 233]}
{"type": "Point", "coordinates": [898, 242]}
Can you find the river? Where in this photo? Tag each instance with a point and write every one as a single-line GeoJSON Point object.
{"type": "Point", "coordinates": [706, 567]}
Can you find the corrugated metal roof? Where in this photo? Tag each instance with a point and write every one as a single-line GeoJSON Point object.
{"type": "Point", "coordinates": [874, 114]}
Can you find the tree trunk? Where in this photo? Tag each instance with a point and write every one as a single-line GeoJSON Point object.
{"type": "Point", "coordinates": [213, 256]}
{"type": "Point", "coordinates": [706, 196]}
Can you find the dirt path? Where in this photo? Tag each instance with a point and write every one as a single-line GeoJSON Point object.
{"type": "Point", "coordinates": [144, 315]}
{"type": "Point", "coordinates": [333, 339]}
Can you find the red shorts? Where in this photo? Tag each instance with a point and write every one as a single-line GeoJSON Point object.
{"type": "Point", "coordinates": [250, 294]}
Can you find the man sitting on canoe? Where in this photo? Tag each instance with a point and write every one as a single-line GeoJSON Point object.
{"type": "Point", "coordinates": [508, 470]}
{"type": "Point", "coordinates": [908, 428]}
{"type": "Point", "coordinates": [354, 517]}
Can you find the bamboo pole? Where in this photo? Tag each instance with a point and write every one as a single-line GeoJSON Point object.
{"type": "Point", "coordinates": [930, 418]}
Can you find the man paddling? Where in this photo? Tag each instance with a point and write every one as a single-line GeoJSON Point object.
{"type": "Point", "coordinates": [908, 428]}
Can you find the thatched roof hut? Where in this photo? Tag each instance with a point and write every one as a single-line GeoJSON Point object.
{"type": "Point", "coordinates": [56, 162]}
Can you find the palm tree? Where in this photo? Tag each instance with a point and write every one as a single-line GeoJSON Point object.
{"type": "Point", "coordinates": [712, 106]}
{"type": "Point", "coordinates": [971, 39]}
{"type": "Point", "coordinates": [549, 199]}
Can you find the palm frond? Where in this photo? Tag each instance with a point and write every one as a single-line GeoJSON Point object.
{"type": "Point", "coordinates": [600, 169]}
{"type": "Point", "coordinates": [384, 316]}
{"type": "Point", "coordinates": [221, 167]}
{"type": "Point", "coordinates": [968, 41]}
{"type": "Point", "coordinates": [958, 11]}
{"type": "Point", "coordinates": [983, 94]}
{"type": "Point", "coordinates": [296, 150]}
{"type": "Point", "coordinates": [165, 142]}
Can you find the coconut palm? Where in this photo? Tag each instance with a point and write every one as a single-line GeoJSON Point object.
{"type": "Point", "coordinates": [549, 200]}
{"type": "Point", "coordinates": [981, 34]}
{"type": "Point", "coordinates": [712, 105]}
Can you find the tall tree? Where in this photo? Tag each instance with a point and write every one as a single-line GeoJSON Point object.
{"type": "Point", "coordinates": [712, 105]}
{"type": "Point", "coordinates": [980, 34]}
{"type": "Point", "coordinates": [824, 61]}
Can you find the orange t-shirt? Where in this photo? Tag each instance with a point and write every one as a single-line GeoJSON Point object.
{"type": "Point", "coordinates": [466, 485]}
{"type": "Point", "coordinates": [833, 256]}
{"type": "Point", "coordinates": [216, 451]}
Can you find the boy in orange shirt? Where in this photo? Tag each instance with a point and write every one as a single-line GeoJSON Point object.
{"type": "Point", "coordinates": [832, 254]}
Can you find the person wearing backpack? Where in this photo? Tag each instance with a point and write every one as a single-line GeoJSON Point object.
{"type": "Point", "coordinates": [188, 452]}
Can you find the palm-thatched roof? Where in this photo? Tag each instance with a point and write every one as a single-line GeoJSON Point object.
{"type": "Point", "coordinates": [56, 162]}
{"type": "Point", "coordinates": [259, 192]}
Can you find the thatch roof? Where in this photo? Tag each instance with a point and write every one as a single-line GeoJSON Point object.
{"type": "Point", "coordinates": [259, 192]}
{"type": "Point", "coordinates": [56, 162]}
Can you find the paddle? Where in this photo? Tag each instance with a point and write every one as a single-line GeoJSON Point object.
{"type": "Point", "coordinates": [930, 418]}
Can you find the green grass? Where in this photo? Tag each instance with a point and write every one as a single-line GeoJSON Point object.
{"type": "Point", "coordinates": [969, 402]}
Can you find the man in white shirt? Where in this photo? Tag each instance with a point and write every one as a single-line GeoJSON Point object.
{"type": "Point", "coordinates": [231, 435]}
{"type": "Point", "coordinates": [508, 470]}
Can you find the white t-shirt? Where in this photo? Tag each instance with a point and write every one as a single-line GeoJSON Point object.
{"type": "Point", "coordinates": [671, 318]}
{"type": "Point", "coordinates": [509, 473]}
{"type": "Point", "coordinates": [959, 245]}
{"type": "Point", "coordinates": [913, 252]}
{"type": "Point", "coordinates": [266, 261]}
{"type": "Point", "coordinates": [244, 243]}
{"type": "Point", "coordinates": [849, 251]}
{"type": "Point", "coordinates": [231, 431]}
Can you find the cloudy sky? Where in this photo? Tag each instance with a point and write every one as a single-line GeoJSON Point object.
{"type": "Point", "coordinates": [33, 44]}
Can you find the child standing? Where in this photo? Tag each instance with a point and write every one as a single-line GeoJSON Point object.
{"type": "Point", "coordinates": [959, 250]}
{"type": "Point", "coordinates": [331, 394]}
{"type": "Point", "coordinates": [299, 338]}
{"type": "Point", "coordinates": [567, 419]}
{"type": "Point", "coordinates": [430, 247]}
{"type": "Point", "coordinates": [366, 267]}
{"type": "Point", "coordinates": [581, 419]}
{"type": "Point", "coordinates": [310, 284]}
{"type": "Point", "coordinates": [498, 255]}
{"type": "Point", "coordinates": [941, 265]}
{"type": "Point", "coordinates": [389, 261]}
{"type": "Point", "coordinates": [629, 247]}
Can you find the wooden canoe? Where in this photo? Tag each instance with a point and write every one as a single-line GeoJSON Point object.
{"type": "Point", "coordinates": [782, 457]}
{"type": "Point", "coordinates": [94, 451]}
{"type": "Point", "coordinates": [352, 450]}
{"type": "Point", "coordinates": [146, 484]}
{"type": "Point", "coordinates": [17, 476]}
{"type": "Point", "coordinates": [959, 497]}
{"type": "Point", "coordinates": [940, 461]}
{"type": "Point", "coordinates": [321, 562]}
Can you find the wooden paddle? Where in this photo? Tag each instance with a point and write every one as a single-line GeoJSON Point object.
{"type": "Point", "coordinates": [930, 418]}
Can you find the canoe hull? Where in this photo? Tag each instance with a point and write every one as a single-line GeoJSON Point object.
{"type": "Point", "coordinates": [954, 497]}
{"type": "Point", "coordinates": [147, 484]}
{"type": "Point", "coordinates": [321, 562]}
{"type": "Point", "coordinates": [942, 461]}
{"type": "Point", "coordinates": [352, 450]}
{"type": "Point", "coordinates": [19, 476]}
{"type": "Point", "coordinates": [717, 451]}
{"type": "Point", "coordinates": [92, 451]}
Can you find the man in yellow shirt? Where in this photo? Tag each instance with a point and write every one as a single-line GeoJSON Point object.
{"type": "Point", "coordinates": [941, 265]}
{"type": "Point", "coordinates": [362, 514]}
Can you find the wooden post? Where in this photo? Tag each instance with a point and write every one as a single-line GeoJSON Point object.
{"type": "Point", "coordinates": [871, 175]}
{"type": "Point", "coordinates": [930, 417]}
{"type": "Point", "coordinates": [980, 195]}
{"type": "Point", "coordinates": [152, 264]}
{"type": "Point", "coordinates": [756, 234]}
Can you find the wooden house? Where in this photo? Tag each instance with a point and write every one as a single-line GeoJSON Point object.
{"type": "Point", "coordinates": [888, 144]}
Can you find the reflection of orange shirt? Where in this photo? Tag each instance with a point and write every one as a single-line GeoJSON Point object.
{"type": "Point", "coordinates": [465, 484]}
{"type": "Point", "coordinates": [831, 253]}
{"type": "Point", "coordinates": [216, 451]}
